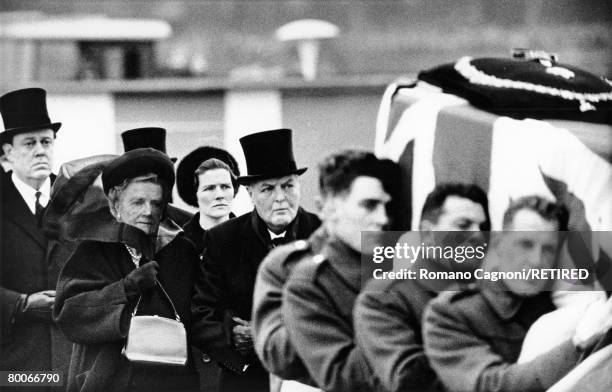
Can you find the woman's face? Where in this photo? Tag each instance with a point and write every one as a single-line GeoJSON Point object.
{"type": "Point", "coordinates": [215, 193]}
{"type": "Point", "coordinates": [141, 205]}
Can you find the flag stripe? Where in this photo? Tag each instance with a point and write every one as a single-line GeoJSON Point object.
{"type": "Point", "coordinates": [462, 146]}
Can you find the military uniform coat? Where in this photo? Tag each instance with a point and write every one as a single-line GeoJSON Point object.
{"type": "Point", "coordinates": [232, 253]}
{"type": "Point", "coordinates": [272, 343]}
{"type": "Point", "coordinates": [388, 318]}
{"type": "Point", "coordinates": [29, 342]}
{"type": "Point", "coordinates": [474, 338]}
{"type": "Point", "coordinates": [318, 302]}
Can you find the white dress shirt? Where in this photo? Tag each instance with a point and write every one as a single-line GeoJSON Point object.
{"type": "Point", "coordinates": [29, 194]}
{"type": "Point", "coordinates": [273, 236]}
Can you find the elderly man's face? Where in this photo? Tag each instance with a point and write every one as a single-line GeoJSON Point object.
{"type": "Point", "coordinates": [362, 208]}
{"type": "Point", "coordinates": [530, 242]}
{"type": "Point", "coordinates": [141, 205]}
{"type": "Point", "coordinates": [276, 201]}
{"type": "Point", "coordinates": [31, 156]}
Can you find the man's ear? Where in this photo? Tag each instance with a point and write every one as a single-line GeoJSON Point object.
{"type": "Point", "coordinates": [7, 148]}
{"type": "Point", "coordinates": [324, 206]}
{"type": "Point", "coordinates": [331, 206]}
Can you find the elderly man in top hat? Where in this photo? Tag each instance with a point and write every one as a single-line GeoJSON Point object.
{"type": "Point", "coordinates": [30, 341]}
{"type": "Point", "coordinates": [233, 250]}
{"type": "Point", "coordinates": [154, 137]}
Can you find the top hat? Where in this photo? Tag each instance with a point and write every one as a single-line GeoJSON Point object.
{"type": "Point", "coordinates": [148, 137]}
{"type": "Point", "coordinates": [24, 111]}
{"type": "Point", "coordinates": [136, 163]}
{"type": "Point", "coordinates": [268, 154]}
{"type": "Point", "coordinates": [185, 180]}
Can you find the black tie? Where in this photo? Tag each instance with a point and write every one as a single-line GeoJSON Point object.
{"type": "Point", "coordinates": [38, 208]}
{"type": "Point", "coordinates": [278, 241]}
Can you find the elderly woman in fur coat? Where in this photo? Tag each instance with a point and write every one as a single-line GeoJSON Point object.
{"type": "Point", "coordinates": [104, 279]}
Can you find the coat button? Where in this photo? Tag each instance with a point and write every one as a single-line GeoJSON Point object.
{"type": "Point", "coordinates": [205, 358]}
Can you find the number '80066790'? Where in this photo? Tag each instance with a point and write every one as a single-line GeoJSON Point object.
{"type": "Point", "coordinates": [30, 378]}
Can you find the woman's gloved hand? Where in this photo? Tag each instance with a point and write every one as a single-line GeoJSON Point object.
{"type": "Point", "coordinates": [142, 278]}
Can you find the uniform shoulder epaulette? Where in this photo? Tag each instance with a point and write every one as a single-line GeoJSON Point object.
{"type": "Point", "coordinates": [300, 245]}
{"type": "Point", "coordinates": [309, 265]}
{"type": "Point", "coordinates": [297, 248]}
{"type": "Point", "coordinates": [318, 262]}
{"type": "Point", "coordinates": [291, 247]}
{"type": "Point", "coordinates": [318, 259]}
{"type": "Point", "coordinates": [288, 252]}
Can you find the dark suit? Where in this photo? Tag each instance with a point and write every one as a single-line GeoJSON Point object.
{"type": "Point", "coordinates": [224, 288]}
{"type": "Point", "coordinates": [29, 342]}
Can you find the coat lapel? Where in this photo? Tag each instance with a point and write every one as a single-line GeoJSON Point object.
{"type": "Point", "coordinates": [258, 240]}
{"type": "Point", "coordinates": [15, 209]}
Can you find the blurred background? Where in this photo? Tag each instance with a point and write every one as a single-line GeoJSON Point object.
{"type": "Point", "coordinates": [212, 71]}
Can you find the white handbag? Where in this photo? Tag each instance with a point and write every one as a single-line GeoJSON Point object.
{"type": "Point", "coordinates": [155, 340]}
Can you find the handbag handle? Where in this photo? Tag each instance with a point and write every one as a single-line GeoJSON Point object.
{"type": "Point", "coordinates": [158, 283]}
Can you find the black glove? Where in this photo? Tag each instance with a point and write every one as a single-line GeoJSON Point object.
{"type": "Point", "coordinates": [142, 278]}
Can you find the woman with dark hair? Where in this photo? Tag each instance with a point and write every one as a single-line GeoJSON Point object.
{"type": "Point", "coordinates": [152, 265]}
{"type": "Point", "coordinates": [206, 178]}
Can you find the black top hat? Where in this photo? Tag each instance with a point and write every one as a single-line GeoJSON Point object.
{"type": "Point", "coordinates": [136, 163]}
{"type": "Point", "coordinates": [268, 154]}
{"type": "Point", "coordinates": [148, 137]}
{"type": "Point", "coordinates": [24, 111]}
{"type": "Point", "coordinates": [185, 180]}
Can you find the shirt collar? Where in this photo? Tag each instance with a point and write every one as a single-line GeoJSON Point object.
{"type": "Point", "coordinates": [29, 194]}
{"type": "Point", "coordinates": [273, 236]}
{"type": "Point", "coordinates": [261, 229]}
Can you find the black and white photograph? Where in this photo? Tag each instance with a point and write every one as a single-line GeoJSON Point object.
{"type": "Point", "coordinates": [306, 195]}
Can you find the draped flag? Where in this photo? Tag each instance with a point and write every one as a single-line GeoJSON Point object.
{"type": "Point", "coordinates": [438, 137]}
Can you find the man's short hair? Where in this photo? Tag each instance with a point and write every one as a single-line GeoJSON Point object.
{"type": "Point", "coordinates": [432, 208]}
{"type": "Point", "coordinates": [338, 171]}
{"type": "Point", "coordinates": [548, 210]}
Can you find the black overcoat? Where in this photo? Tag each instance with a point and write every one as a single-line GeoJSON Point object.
{"type": "Point", "coordinates": [207, 368]}
{"type": "Point", "coordinates": [26, 266]}
{"type": "Point", "coordinates": [232, 253]}
{"type": "Point", "coordinates": [93, 309]}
